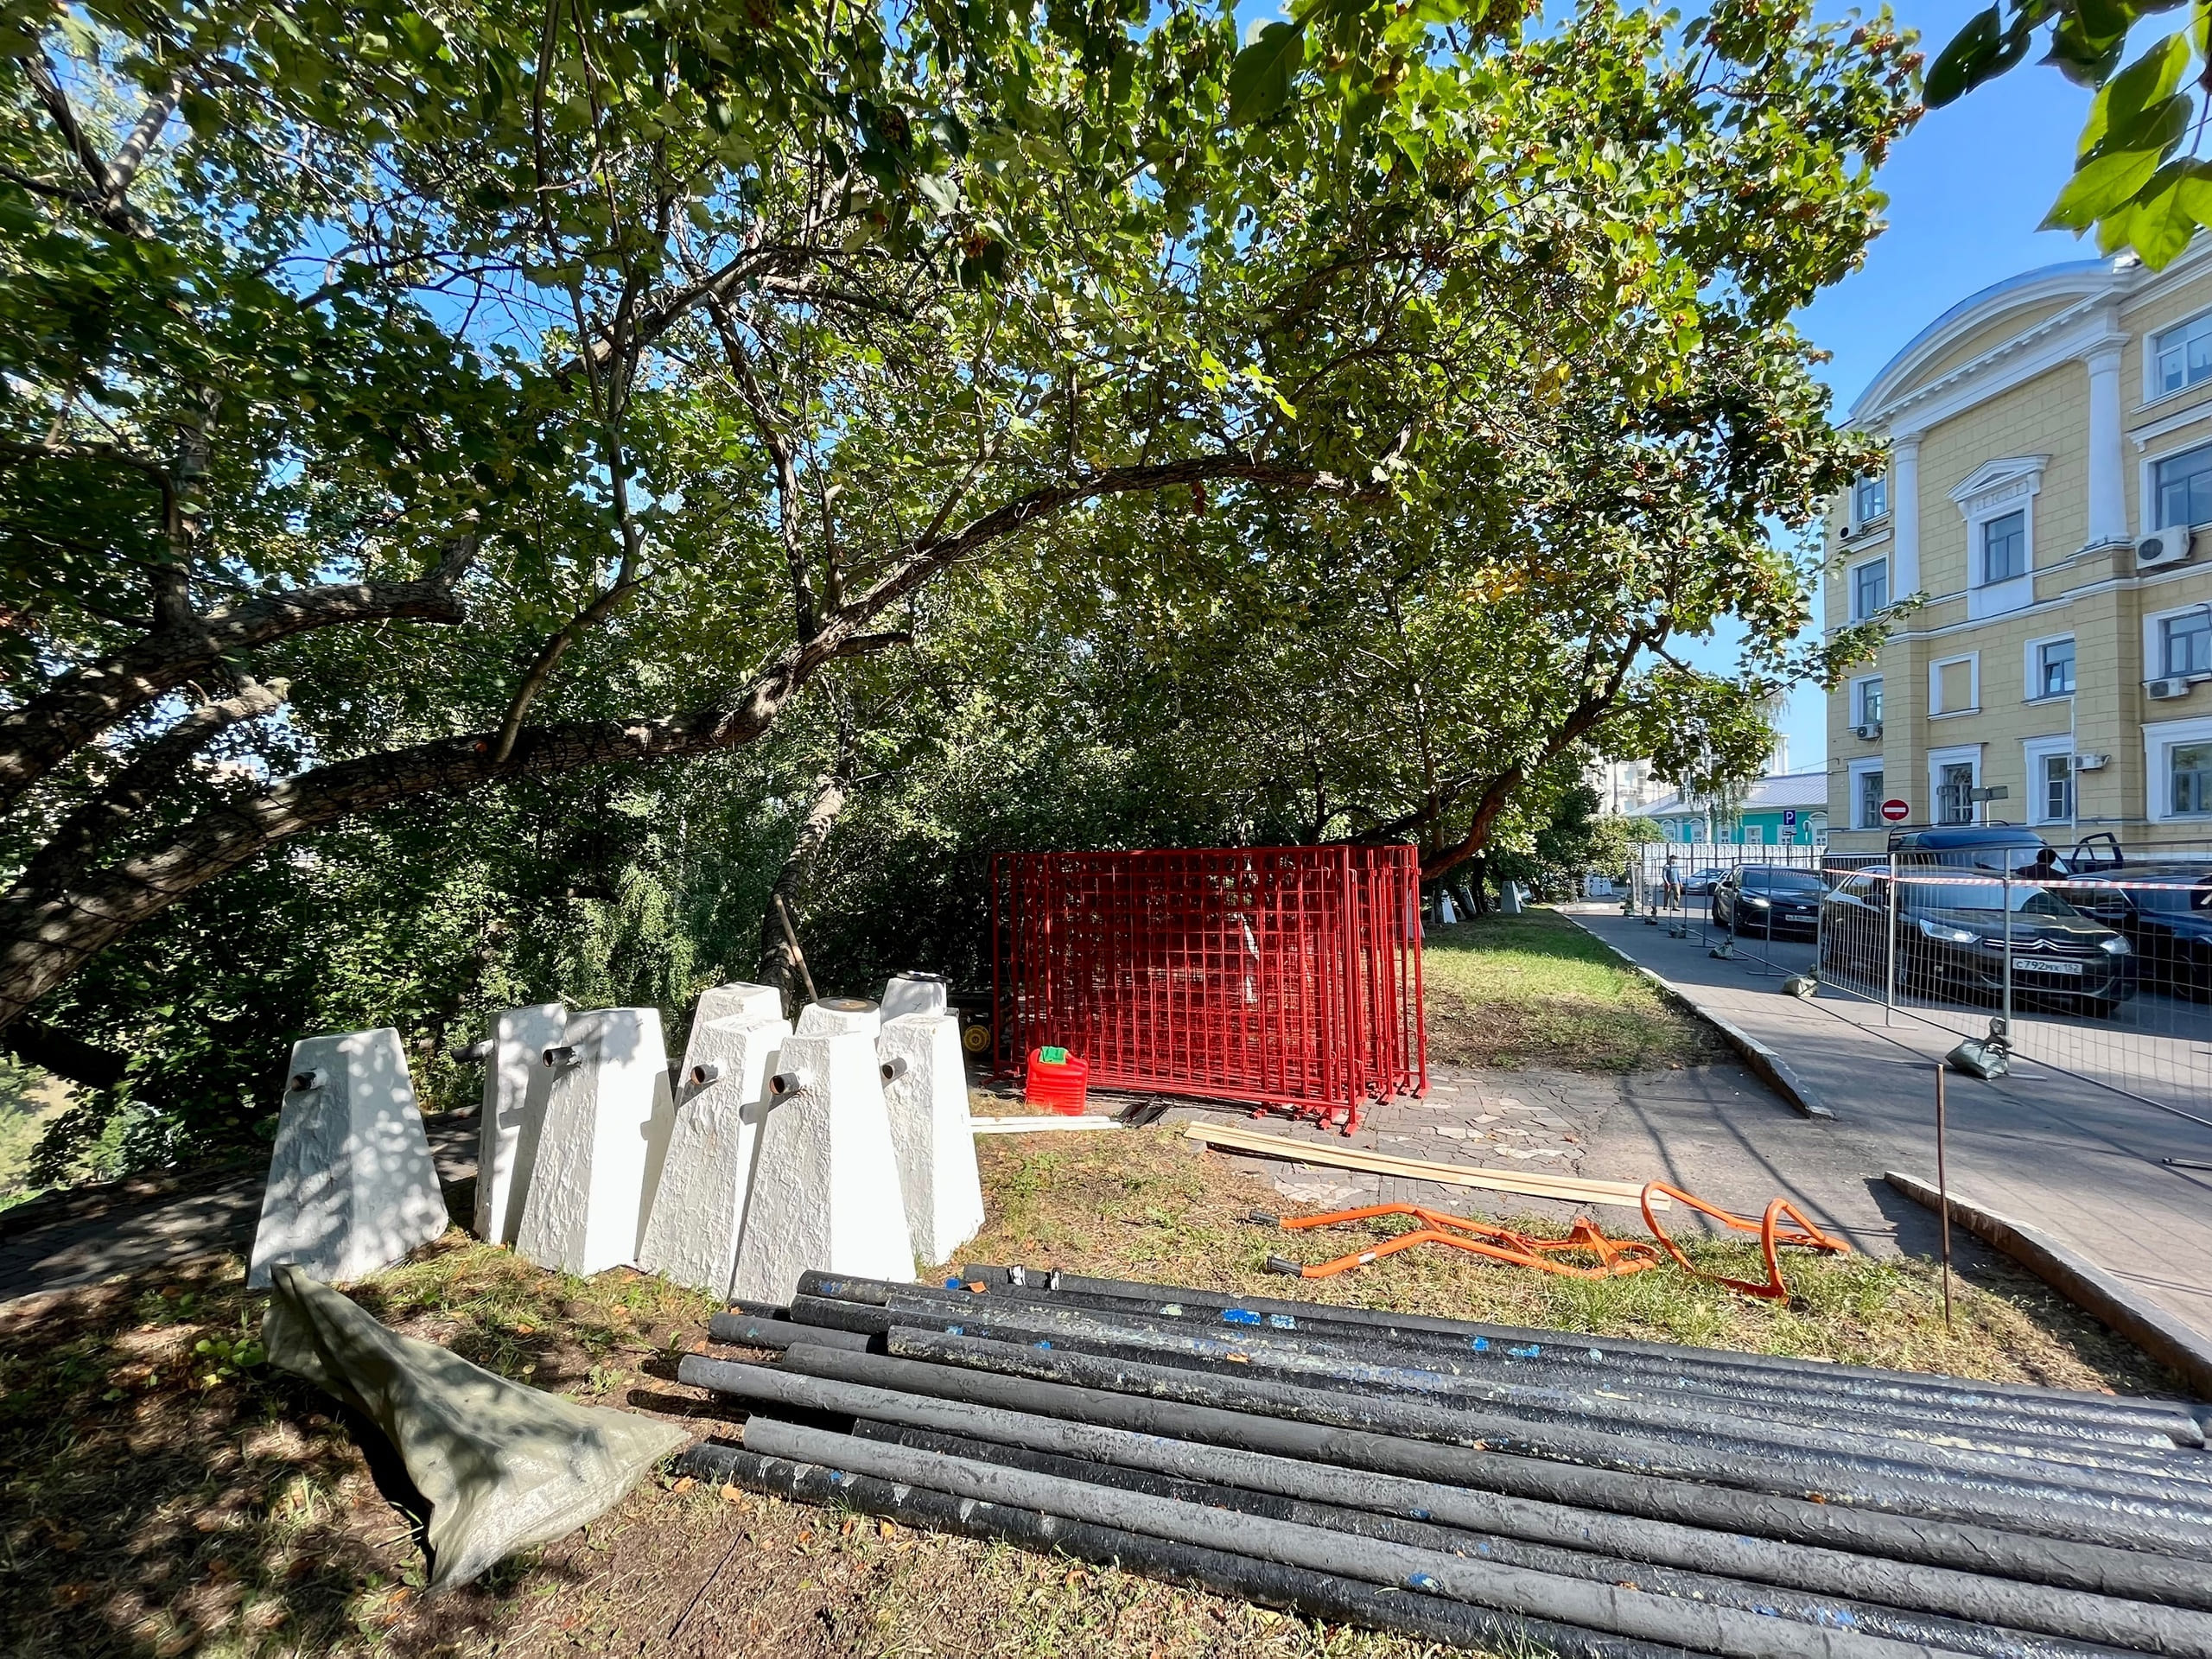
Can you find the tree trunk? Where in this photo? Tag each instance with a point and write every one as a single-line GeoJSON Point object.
{"type": "Point", "coordinates": [779, 964]}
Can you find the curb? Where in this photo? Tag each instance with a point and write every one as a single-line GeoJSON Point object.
{"type": "Point", "coordinates": [2088, 1287]}
{"type": "Point", "coordinates": [1763, 1062]}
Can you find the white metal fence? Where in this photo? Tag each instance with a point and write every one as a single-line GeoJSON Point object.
{"type": "Point", "coordinates": [2102, 968]}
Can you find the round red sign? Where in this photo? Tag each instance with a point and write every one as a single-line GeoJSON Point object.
{"type": "Point", "coordinates": [1896, 811]}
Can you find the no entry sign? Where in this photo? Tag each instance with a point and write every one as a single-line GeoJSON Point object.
{"type": "Point", "coordinates": [1896, 811]}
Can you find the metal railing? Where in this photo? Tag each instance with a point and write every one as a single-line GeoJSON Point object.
{"type": "Point", "coordinates": [2103, 972]}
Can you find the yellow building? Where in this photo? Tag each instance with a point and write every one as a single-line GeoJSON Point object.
{"type": "Point", "coordinates": [2049, 493]}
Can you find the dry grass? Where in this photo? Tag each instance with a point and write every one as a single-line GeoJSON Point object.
{"type": "Point", "coordinates": [156, 1498]}
{"type": "Point", "coordinates": [1535, 990]}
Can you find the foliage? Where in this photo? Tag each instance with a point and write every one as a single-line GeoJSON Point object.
{"type": "Point", "coordinates": [2140, 180]}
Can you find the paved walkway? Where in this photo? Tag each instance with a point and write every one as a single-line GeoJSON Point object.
{"type": "Point", "coordinates": [2057, 1152]}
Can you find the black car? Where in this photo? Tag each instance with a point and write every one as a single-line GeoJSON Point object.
{"type": "Point", "coordinates": [1950, 942]}
{"type": "Point", "coordinates": [2165, 910]}
{"type": "Point", "coordinates": [2000, 848]}
{"type": "Point", "coordinates": [1699, 884]}
{"type": "Point", "coordinates": [1768, 901]}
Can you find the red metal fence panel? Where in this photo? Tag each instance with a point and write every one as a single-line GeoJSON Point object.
{"type": "Point", "coordinates": [1285, 976]}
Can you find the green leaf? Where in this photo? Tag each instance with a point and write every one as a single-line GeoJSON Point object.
{"type": "Point", "coordinates": [1965, 62]}
{"type": "Point", "coordinates": [2130, 100]}
{"type": "Point", "coordinates": [2099, 187]}
{"type": "Point", "coordinates": [1259, 81]}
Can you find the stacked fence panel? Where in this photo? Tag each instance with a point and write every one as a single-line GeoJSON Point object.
{"type": "Point", "coordinates": [1283, 975]}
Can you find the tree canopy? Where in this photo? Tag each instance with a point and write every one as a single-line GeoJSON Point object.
{"type": "Point", "coordinates": [413, 423]}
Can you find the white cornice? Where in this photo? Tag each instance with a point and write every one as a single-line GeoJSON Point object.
{"type": "Point", "coordinates": [1994, 482]}
{"type": "Point", "coordinates": [2145, 434]}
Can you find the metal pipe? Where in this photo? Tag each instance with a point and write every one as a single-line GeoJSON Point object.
{"type": "Point", "coordinates": [2169, 1416]}
{"type": "Point", "coordinates": [1890, 981]}
{"type": "Point", "coordinates": [1788, 1601]}
{"type": "Point", "coordinates": [1556, 1364]}
{"type": "Point", "coordinates": [1316, 1595]}
{"type": "Point", "coordinates": [1836, 1457]}
{"type": "Point", "coordinates": [2039, 1507]}
{"type": "Point", "coordinates": [1608, 1607]}
{"type": "Point", "coordinates": [1967, 1547]}
{"type": "Point", "coordinates": [779, 1334]}
{"type": "Point", "coordinates": [1961, 1595]}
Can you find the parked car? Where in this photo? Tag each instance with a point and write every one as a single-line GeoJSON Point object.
{"type": "Point", "coordinates": [2165, 911]}
{"type": "Point", "coordinates": [1950, 942]}
{"type": "Point", "coordinates": [1699, 884]}
{"type": "Point", "coordinates": [2001, 849]}
{"type": "Point", "coordinates": [1768, 901]}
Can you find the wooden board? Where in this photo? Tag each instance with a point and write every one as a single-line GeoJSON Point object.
{"type": "Point", "coordinates": [1571, 1188]}
{"type": "Point", "coordinates": [1037, 1125]}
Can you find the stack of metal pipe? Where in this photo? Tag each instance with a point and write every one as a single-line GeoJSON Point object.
{"type": "Point", "coordinates": [1480, 1486]}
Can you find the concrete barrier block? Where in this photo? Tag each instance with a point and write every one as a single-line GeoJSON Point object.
{"type": "Point", "coordinates": [350, 1184]}
{"type": "Point", "coordinates": [907, 994]}
{"type": "Point", "coordinates": [825, 1178]}
{"type": "Point", "coordinates": [610, 1103]}
{"type": "Point", "coordinates": [699, 1209]}
{"type": "Point", "coordinates": [925, 1094]}
{"type": "Point", "coordinates": [739, 1000]}
{"type": "Point", "coordinates": [851, 1016]}
{"type": "Point", "coordinates": [516, 1086]}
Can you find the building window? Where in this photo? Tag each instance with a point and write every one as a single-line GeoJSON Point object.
{"type": "Point", "coordinates": [1954, 792]}
{"type": "Point", "coordinates": [2185, 643]}
{"type": "Point", "coordinates": [2184, 354]}
{"type": "Point", "coordinates": [1867, 801]}
{"type": "Point", "coordinates": [1866, 709]}
{"type": "Point", "coordinates": [1953, 687]}
{"type": "Point", "coordinates": [1870, 589]}
{"type": "Point", "coordinates": [2005, 548]}
{"type": "Point", "coordinates": [2189, 767]}
{"type": "Point", "coordinates": [2183, 485]}
{"type": "Point", "coordinates": [1869, 500]}
{"type": "Point", "coordinates": [2054, 669]}
{"type": "Point", "coordinates": [2055, 787]}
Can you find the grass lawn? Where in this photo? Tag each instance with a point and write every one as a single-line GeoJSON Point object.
{"type": "Point", "coordinates": [158, 1498]}
{"type": "Point", "coordinates": [1535, 990]}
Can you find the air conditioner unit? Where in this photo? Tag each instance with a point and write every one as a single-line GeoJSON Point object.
{"type": "Point", "coordinates": [2172, 686]}
{"type": "Point", "coordinates": [2163, 547]}
{"type": "Point", "coordinates": [1868, 732]}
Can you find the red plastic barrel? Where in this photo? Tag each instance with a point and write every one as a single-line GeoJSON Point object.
{"type": "Point", "coordinates": [1058, 1080]}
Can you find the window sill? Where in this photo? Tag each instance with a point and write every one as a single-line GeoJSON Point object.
{"type": "Point", "coordinates": [2049, 696]}
{"type": "Point", "coordinates": [2161, 400]}
{"type": "Point", "coordinates": [1955, 713]}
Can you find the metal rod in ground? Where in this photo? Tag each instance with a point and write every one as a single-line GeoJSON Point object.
{"type": "Point", "coordinates": [2170, 1416]}
{"type": "Point", "coordinates": [1976, 1597]}
{"type": "Point", "coordinates": [1316, 1595]}
{"type": "Point", "coordinates": [1843, 1440]}
{"type": "Point", "coordinates": [1967, 1547]}
{"type": "Point", "coordinates": [1789, 1603]}
{"type": "Point", "coordinates": [1944, 1193]}
{"type": "Point", "coordinates": [1521, 1591]}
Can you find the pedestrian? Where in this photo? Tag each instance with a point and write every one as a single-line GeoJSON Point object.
{"type": "Point", "coordinates": [1671, 880]}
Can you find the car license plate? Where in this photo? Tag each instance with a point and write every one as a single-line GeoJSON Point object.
{"type": "Point", "coordinates": [2043, 965]}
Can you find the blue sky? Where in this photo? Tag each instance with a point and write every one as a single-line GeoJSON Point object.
{"type": "Point", "coordinates": [1968, 188]}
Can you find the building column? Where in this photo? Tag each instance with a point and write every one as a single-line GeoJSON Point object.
{"type": "Point", "coordinates": [1904, 513]}
{"type": "Point", "coordinates": [2108, 464]}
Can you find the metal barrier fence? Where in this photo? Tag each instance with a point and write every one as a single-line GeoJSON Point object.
{"type": "Point", "coordinates": [2103, 971]}
{"type": "Point", "coordinates": [1285, 976]}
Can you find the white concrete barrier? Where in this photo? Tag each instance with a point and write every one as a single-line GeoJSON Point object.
{"type": "Point", "coordinates": [854, 1015]}
{"type": "Point", "coordinates": [906, 993]}
{"type": "Point", "coordinates": [739, 1000]}
{"type": "Point", "coordinates": [350, 1184]}
{"type": "Point", "coordinates": [516, 1086]}
{"type": "Point", "coordinates": [925, 1094]}
{"type": "Point", "coordinates": [722, 1092]}
{"type": "Point", "coordinates": [825, 1180]}
{"type": "Point", "coordinates": [609, 1108]}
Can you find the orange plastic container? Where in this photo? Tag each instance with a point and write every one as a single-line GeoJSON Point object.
{"type": "Point", "coordinates": [1058, 1080]}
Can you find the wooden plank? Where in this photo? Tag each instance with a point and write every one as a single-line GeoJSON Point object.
{"type": "Point", "coordinates": [1036, 1125]}
{"type": "Point", "coordinates": [1571, 1188]}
